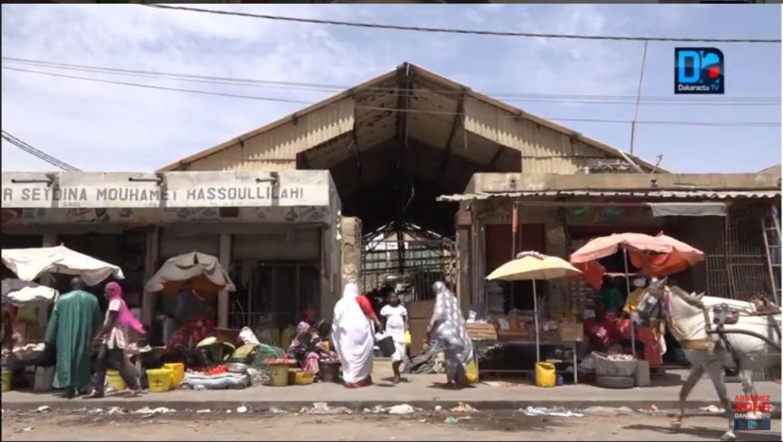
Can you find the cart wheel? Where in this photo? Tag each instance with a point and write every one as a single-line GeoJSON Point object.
{"type": "Point", "coordinates": [616, 382]}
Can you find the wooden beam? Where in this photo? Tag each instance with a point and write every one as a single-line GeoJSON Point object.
{"type": "Point", "coordinates": [404, 92]}
{"type": "Point", "coordinates": [460, 116]}
{"type": "Point", "coordinates": [355, 148]}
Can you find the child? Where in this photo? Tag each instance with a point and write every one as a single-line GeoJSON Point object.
{"type": "Point", "coordinates": [395, 318]}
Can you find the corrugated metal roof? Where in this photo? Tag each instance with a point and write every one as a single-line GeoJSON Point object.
{"type": "Point", "coordinates": [370, 110]}
{"type": "Point", "coordinates": [667, 194]}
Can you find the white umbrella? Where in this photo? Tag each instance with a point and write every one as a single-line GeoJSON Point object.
{"type": "Point", "coordinates": [532, 266]}
{"type": "Point", "coordinates": [27, 294]}
{"type": "Point", "coordinates": [29, 264]}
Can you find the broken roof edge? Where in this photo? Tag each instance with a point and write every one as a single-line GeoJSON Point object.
{"type": "Point", "coordinates": [489, 183]}
{"type": "Point", "coordinates": [428, 75]}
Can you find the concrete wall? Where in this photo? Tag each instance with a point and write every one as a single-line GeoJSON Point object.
{"type": "Point", "coordinates": [510, 182]}
{"type": "Point", "coordinates": [350, 251]}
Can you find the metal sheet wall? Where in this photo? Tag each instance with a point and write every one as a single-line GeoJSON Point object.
{"type": "Point", "coordinates": [295, 245]}
{"type": "Point", "coordinates": [173, 242]}
{"type": "Point", "coordinates": [276, 148]}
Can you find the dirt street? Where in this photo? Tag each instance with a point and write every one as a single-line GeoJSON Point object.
{"type": "Point", "coordinates": [217, 426]}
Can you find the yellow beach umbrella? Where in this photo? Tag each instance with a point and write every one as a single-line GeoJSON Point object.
{"type": "Point", "coordinates": [532, 266]}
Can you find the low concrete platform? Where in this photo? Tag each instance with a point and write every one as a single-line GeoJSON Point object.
{"type": "Point", "coordinates": [419, 391]}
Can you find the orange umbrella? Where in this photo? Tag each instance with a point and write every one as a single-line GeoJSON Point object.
{"type": "Point", "coordinates": [678, 259]}
{"type": "Point", "coordinates": [658, 255]}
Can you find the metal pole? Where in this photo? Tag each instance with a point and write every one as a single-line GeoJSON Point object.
{"type": "Point", "coordinates": [535, 319]}
{"type": "Point", "coordinates": [628, 288]}
{"type": "Point", "coordinates": [514, 224]}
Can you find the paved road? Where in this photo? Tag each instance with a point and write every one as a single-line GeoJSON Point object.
{"type": "Point", "coordinates": [420, 427]}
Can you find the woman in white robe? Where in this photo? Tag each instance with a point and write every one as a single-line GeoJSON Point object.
{"type": "Point", "coordinates": [353, 339]}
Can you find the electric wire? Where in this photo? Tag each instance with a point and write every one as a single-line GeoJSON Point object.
{"type": "Point", "coordinates": [455, 30]}
{"type": "Point", "coordinates": [38, 153]}
{"type": "Point", "coordinates": [394, 109]}
{"type": "Point", "coordinates": [361, 92]}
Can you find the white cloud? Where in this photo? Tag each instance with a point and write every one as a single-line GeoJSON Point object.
{"type": "Point", "coordinates": [112, 127]}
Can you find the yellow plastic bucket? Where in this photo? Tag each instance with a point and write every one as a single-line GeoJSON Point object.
{"type": "Point", "coordinates": [159, 379]}
{"type": "Point", "coordinates": [115, 380]}
{"type": "Point", "coordinates": [177, 374]}
{"type": "Point", "coordinates": [6, 380]}
{"type": "Point", "coordinates": [546, 375]}
{"type": "Point", "coordinates": [279, 374]}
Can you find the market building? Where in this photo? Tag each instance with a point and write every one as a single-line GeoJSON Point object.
{"type": "Point", "coordinates": [393, 145]}
{"type": "Point", "coordinates": [276, 233]}
{"type": "Point", "coordinates": [733, 218]}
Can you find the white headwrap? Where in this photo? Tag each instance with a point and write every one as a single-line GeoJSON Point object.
{"type": "Point", "coordinates": [639, 282]}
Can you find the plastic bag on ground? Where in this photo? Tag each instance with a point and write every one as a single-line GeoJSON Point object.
{"type": "Point", "coordinates": [248, 337]}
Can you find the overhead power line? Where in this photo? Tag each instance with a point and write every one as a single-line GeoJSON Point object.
{"type": "Point", "coordinates": [459, 31]}
{"type": "Point", "coordinates": [162, 88]}
{"type": "Point", "coordinates": [38, 153]}
{"type": "Point", "coordinates": [320, 87]}
{"type": "Point", "coordinates": [394, 109]}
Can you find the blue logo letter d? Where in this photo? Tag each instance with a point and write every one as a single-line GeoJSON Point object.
{"type": "Point", "coordinates": [682, 63]}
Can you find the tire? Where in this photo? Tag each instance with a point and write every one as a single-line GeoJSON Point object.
{"type": "Point", "coordinates": [615, 382]}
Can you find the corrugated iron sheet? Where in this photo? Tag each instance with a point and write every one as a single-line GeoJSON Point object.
{"type": "Point", "coordinates": [282, 143]}
{"type": "Point", "coordinates": [671, 194]}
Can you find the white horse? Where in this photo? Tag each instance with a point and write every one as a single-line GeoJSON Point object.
{"type": "Point", "coordinates": [715, 333]}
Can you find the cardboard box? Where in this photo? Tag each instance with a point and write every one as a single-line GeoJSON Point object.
{"type": "Point", "coordinates": [482, 332]}
{"type": "Point", "coordinates": [421, 309]}
{"type": "Point", "coordinates": [571, 332]}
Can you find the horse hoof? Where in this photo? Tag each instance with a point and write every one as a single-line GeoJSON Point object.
{"type": "Point", "coordinates": [729, 435]}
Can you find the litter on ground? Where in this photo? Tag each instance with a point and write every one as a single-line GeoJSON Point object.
{"type": "Point", "coordinates": [536, 411]}
{"type": "Point", "coordinates": [401, 409]}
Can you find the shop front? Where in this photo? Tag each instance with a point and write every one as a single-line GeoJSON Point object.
{"type": "Point", "coordinates": [275, 233]}
{"type": "Point", "coordinates": [504, 214]}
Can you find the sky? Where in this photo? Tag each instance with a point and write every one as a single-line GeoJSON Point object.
{"type": "Point", "coordinates": [110, 127]}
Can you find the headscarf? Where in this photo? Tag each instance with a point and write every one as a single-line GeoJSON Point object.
{"type": "Point", "coordinates": [125, 316]}
{"type": "Point", "coordinates": [448, 324]}
{"type": "Point", "coordinates": [639, 283]}
{"type": "Point", "coordinates": [447, 321]}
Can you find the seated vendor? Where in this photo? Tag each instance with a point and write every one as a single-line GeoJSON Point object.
{"type": "Point", "coordinates": [311, 343]}
{"type": "Point", "coordinates": [612, 298]}
{"type": "Point", "coordinates": [600, 331]}
{"type": "Point", "coordinates": [196, 318]}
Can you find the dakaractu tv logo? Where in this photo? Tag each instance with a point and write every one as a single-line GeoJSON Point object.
{"type": "Point", "coordinates": [699, 71]}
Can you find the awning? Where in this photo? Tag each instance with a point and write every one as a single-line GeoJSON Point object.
{"type": "Point", "coordinates": [688, 209]}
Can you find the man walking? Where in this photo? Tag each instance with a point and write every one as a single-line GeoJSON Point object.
{"type": "Point", "coordinates": [75, 319]}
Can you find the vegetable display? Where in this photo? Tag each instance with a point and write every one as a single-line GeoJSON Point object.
{"type": "Point", "coordinates": [285, 360]}
{"type": "Point", "coordinates": [220, 369]}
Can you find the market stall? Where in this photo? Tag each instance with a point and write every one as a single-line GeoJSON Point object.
{"type": "Point", "coordinates": [30, 352]}
{"type": "Point", "coordinates": [23, 346]}
{"type": "Point", "coordinates": [519, 328]}
{"type": "Point", "coordinates": [188, 286]}
{"type": "Point", "coordinates": [658, 255]}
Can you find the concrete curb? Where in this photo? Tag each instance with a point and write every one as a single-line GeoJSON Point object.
{"type": "Point", "coordinates": [428, 405]}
